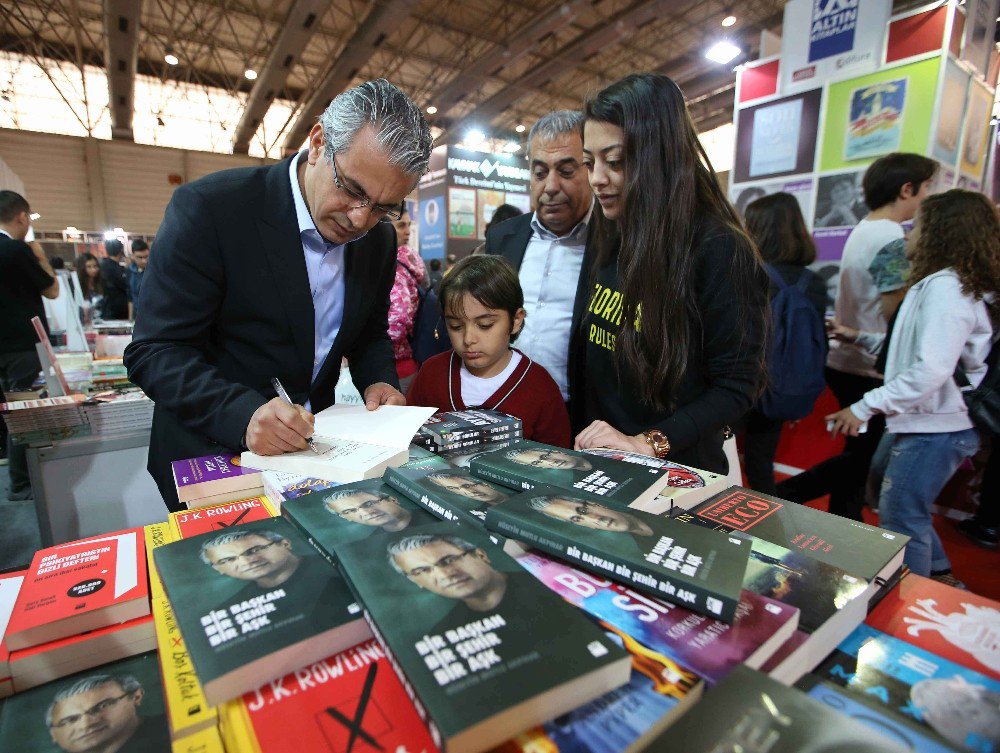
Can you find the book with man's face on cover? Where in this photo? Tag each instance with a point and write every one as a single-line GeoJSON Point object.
{"type": "Point", "coordinates": [449, 493]}
{"type": "Point", "coordinates": [525, 465]}
{"type": "Point", "coordinates": [485, 649]}
{"type": "Point", "coordinates": [254, 602]}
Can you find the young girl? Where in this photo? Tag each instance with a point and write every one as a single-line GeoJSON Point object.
{"type": "Point", "coordinates": [942, 324]}
{"type": "Point", "coordinates": [482, 304]}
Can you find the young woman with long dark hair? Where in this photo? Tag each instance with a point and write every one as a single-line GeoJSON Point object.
{"type": "Point", "coordinates": [776, 225]}
{"type": "Point", "coordinates": [676, 325]}
{"type": "Point", "coordinates": [942, 323]}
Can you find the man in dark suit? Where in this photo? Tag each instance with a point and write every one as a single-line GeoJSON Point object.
{"type": "Point", "coordinates": [115, 302]}
{"type": "Point", "coordinates": [25, 276]}
{"type": "Point", "coordinates": [553, 252]}
{"type": "Point", "coordinates": [278, 271]}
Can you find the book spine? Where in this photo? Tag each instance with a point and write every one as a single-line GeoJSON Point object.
{"type": "Point", "coordinates": [631, 571]}
{"type": "Point", "coordinates": [156, 534]}
{"type": "Point", "coordinates": [403, 485]}
{"type": "Point", "coordinates": [327, 555]}
{"type": "Point", "coordinates": [478, 467]}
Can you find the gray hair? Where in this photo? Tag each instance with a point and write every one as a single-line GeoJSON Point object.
{"type": "Point", "coordinates": [127, 683]}
{"type": "Point", "coordinates": [541, 503]}
{"type": "Point", "coordinates": [400, 127]}
{"type": "Point", "coordinates": [555, 124]}
{"type": "Point", "coordinates": [231, 536]}
{"type": "Point", "coordinates": [421, 540]}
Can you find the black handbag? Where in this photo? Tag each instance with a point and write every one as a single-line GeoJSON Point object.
{"type": "Point", "coordinates": [983, 401]}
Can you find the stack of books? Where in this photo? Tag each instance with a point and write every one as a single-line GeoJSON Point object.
{"type": "Point", "coordinates": [468, 431]}
{"type": "Point", "coordinates": [118, 412]}
{"type": "Point", "coordinates": [212, 479]}
{"type": "Point", "coordinates": [108, 373]}
{"type": "Point", "coordinates": [45, 419]}
{"type": "Point", "coordinates": [80, 605]}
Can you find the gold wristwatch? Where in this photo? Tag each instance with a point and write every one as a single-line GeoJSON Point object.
{"type": "Point", "coordinates": [658, 441]}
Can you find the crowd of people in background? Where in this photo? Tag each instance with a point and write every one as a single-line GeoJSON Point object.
{"type": "Point", "coordinates": [649, 315]}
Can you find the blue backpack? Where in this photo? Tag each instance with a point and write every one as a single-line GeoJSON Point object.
{"type": "Point", "coordinates": [797, 351]}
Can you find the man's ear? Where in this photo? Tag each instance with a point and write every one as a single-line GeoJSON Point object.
{"type": "Point", "coordinates": [316, 144]}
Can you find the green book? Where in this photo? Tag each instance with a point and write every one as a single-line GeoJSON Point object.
{"type": "Point", "coordinates": [450, 494]}
{"type": "Point", "coordinates": [254, 603]}
{"type": "Point", "coordinates": [857, 548]}
{"type": "Point", "coordinates": [695, 568]}
{"type": "Point", "coordinates": [485, 650]}
{"type": "Point", "coordinates": [524, 465]}
{"type": "Point", "coordinates": [351, 512]}
{"type": "Point", "coordinates": [113, 707]}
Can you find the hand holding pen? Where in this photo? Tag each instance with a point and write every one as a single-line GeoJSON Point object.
{"type": "Point", "coordinates": [279, 426]}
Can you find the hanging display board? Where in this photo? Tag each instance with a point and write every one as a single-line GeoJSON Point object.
{"type": "Point", "coordinates": [777, 138]}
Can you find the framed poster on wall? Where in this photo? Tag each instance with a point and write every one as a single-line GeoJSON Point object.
{"type": "Point", "coordinates": [840, 200]}
{"type": "Point", "coordinates": [745, 194]}
{"type": "Point", "coordinates": [875, 119]}
{"type": "Point", "coordinates": [951, 110]}
{"type": "Point", "coordinates": [487, 203]}
{"type": "Point", "coordinates": [461, 213]}
{"type": "Point", "coordinates": [977, 126]}
{"type": "Point", "coordinates": [777, 138]}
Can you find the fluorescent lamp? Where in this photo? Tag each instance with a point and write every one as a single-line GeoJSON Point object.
{"type": "Point", "coordinates": [109, 235]}
{"type": "Point", "coordinates": [723, 52]}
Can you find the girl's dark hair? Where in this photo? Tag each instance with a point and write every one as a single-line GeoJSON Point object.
{"type": "Point", "coordinates": [670, 199]}
{"type": "Point", "coordinates": [88, 285]}
{"type": "Point", "coordinates": [776, 225]}
{"type": "Point", "coordinates": [959, 229]}
{"type": "Point", "coordinates": [491, 280]}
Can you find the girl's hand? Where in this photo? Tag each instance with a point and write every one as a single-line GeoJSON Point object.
{"type": "Point", "coordinates": [844, 422]}
{"type": "Point", "coordinates": [603, 434]}
{"type": "Point", "coordinates": [837, 331]}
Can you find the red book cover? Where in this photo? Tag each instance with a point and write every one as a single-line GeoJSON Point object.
{"type": "Point", "coordinates": [81, 585]}
{"type": "Point", "coordinates": [352, 701]}
{"type": "Point", "coordinates": [188, 523]}
{"type": "Point", "coordinates": [954, 624]}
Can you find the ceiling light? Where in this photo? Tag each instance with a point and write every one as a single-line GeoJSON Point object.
{"type": "Point", "coordinates": [475, 136]}
{"type": "Point", "coordinates": [250, 74]}
{"type": "Point", "coordinates": [171, 59]}
{"type": "Point", "coordinates": [723, 52]}
{"type": "Point", "coordinates": [729, 21]}
{"type": "Point", "coordinates": [431, 110]}
{"type": "Point", "coordinates": [511, 147]}
{"type": "Point", "coordinates": [35, 216]}
{"type": "Point", "coordinates": [109, 235]}
{"type": "Point", "coordinates": [520, 128]}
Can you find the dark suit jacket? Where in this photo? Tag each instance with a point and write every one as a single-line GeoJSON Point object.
{"type": "Point", "coordinates": [510, 239]}
{"type": "Point", "coordinates": [226, 306]}
{"type": "Point", "coordinates": [115, 302]}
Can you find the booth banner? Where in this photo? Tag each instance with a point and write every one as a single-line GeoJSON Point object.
{"type": "Point", "coordinates": [844, 35]}
{"type": "Point", "coordinates": [875, 120]}
{"type": "Point", "coordinates": [461, 213]}
{"type": "Point", "coordinates": [487, 203]}
{"type": "Point", "coordinates": [743, 195]}
{"type": "Point", "coordinates": [864, 114]}
{"type": "Point", "coordinates": [432, 227]}
{"type": "Point", "coordinates": [951, 110]}
{"type": "Point", "coordinates": [977, 125]}
{"type": "Point", "coordinates": [777, 138]}
{"type": "Point", "coordinates": [979, 30]}
{"type": "Point", "coordinates": [840, 200]}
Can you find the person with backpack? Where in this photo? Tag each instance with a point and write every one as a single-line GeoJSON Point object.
{"type": "Point", "coordinates": [941, 337]}
{"type": "Point", "coordinates": [404, 300]}
{"type": "Point", "coordinates": [798, 346]}
{"type": "Point", "coordinates": [870, 285]}
{"type": "Point", "coordinates": [676, 323]}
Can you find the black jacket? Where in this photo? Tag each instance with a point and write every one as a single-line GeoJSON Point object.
{"type": "Point", "coordinates": [226, 306]}
{"type": "Point", "coordinates": [115, 302]}
{"type": "Point", "coordinates": [510, 240]}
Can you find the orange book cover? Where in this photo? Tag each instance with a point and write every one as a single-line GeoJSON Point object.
{"type": "Point", "coordinates": [81, 585]}
{"type": "Point", "coordinates": [188, 523]}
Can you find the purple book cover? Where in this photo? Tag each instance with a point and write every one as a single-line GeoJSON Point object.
{"type": "Point", "coordinates": [209, 468]}
{"type": "Point", "coordinates": [709, 648]}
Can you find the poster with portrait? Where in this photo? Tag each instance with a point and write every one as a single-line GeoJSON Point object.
{"type": "Point", "coordinates": [979, 30]}
{"type": "Point", "coordinates": [744, 195]}
{"type": "Point", "coordinates": [487, 203]}
{"type": "Point", "coordinates": [461, 213]}
{"type": "Point", "coordinates": [951, 111]}
{"type": "Point", "coordinates": [432, 227]}
{"type": "Point", "coordinates": [875, 119]}
{"type": "Point", "coordinates": [977, 126]}
{"type": "Point", "coordinates": [840, 200]}
{"type": "Point", "coordinates": [777, 138]}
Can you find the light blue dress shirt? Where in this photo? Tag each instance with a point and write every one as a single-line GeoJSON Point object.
{"type": "Point", "coordinates": [549, 274]}
{"type": "Point", "coordinates": [325, 267]}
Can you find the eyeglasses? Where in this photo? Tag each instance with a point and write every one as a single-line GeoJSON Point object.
{"type": "Point", "coordinates": [445, 562]}
{"type": "Point", "coordinates": [247, 554]}
{"type": "Point", "coordinates": [96, 710]}
{"type": "Point", "coordinates": [582, 513]}
{"type": "Point", "coordinates": [379, 210]}
{"type": "Point", "coordinates": [363, 506]}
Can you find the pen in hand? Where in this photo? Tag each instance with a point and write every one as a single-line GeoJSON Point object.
{"type": "Point", "coordinates": [279, 388]}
